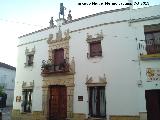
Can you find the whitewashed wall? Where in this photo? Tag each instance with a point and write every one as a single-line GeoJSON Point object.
{"type": "Point", "coordinates": [9, 81]}
{"type": "Point", "coordinates": [119, 61]}
{"type": "Point", "coordinates": [138, 28]}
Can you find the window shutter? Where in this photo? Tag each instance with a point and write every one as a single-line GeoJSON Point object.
{"type": "Point", "coordinates": [58, 56]}
{"type": "Point", "coordinates": [95, 49]}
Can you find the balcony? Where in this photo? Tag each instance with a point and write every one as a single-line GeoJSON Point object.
{"type": "Point", "coordinates": [153, 49]}
{"type": "Point", "coordinates": [149, 50]}
{"type": "Point", "coordinates": [51, 68]}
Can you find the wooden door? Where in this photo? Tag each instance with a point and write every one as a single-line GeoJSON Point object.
{"type": "Point", "coordinates": [58, 56]}
{"type": "Point", "coordinates": [58, 103]}
{"type": "Point", "coordinates": [153, 104]}
{"type": "Point", "coordinates": [97, 101]}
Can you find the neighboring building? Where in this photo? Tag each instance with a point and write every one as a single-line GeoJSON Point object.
{"type": "Point", "coordinates": [7, 80]}
{"type": "Point", "coordinates": [96, 66]}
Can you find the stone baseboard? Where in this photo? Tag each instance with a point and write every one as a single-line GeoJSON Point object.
{"type": "Point", "coordinates": [78, 116]}
{"type": "Point", "coordinates": [121, 117]}
{"type": "Point", "coordinates": [35, 115]}
{"type": "Point", "coordinates": [143, 115]}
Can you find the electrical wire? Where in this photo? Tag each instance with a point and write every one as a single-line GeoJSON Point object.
{"type": "Point", "coordinates": [17, 22]}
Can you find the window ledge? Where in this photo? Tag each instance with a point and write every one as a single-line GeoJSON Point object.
{"type": "Point", "coordinates": [95, 57]}
{"type": "Point", "coordinates": [26, 65]}
{"type": "Point", "coordinates": [150, 57]}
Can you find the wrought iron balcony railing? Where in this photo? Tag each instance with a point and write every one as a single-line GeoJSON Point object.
{"type": "Point", "coordinates": [51, 68]}
{"type": "Point", "coordinates": [149, 50]}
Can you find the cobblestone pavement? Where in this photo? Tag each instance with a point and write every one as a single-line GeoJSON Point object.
{"type": "Point", "coordinates": [6, 113]}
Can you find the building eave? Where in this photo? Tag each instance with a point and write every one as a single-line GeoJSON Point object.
{"type": "Point", "coordinates": [96, 14]}
{"type": "Point", "coordinates": [85, 17]}
{"type": "Point", "coordinates": [3, 65]}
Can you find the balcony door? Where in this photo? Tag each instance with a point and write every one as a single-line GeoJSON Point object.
{"type": "Point", "coordinates": [58, 103]}
{"type": "Point", "coordinates": [58, 56]}
{"type": "Point", "coordinates": [153, 104]}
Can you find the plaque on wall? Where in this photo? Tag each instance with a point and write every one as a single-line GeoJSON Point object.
{"type": "Point", "coordinates": [153, 74]}
{"type": "Point", "coordinates": [18, 98]}
{"type": "Point", "coordinates": [80, 98]}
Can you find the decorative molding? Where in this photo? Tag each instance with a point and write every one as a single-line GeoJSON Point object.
{"type": "Point", "coordinates": [59, 37]}
{"type": "Point", "coordinates": [28, 52]}
{"type": "Point", "coordinates": [102, 81]}
{"type": "Point", "coordinates": [59, 42]}
{"type": "Point", "coordinates": [99, 37]}
{"type": "Point", "coordinates": [66, 80]}
{"type": "Point", "coordinates": [72, 66]}
{"type": "Point", "coordinates": [89, 79]}
{"type": "Point", "coordinates": [28, 85]}
{"type": "Point", "coordinates": [145, 19]}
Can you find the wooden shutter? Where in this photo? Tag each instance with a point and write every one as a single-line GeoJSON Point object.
{"type": "Point", "coordinates": [58, 56]}
{"type": "Point", "coordinates": [95, 49]}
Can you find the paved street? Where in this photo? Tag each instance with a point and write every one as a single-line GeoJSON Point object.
{"type": "Point", "coordinates": [6, 113]}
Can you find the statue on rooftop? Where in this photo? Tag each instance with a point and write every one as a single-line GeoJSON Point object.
{"type": "Point", "coordinates": [62, 8]}
{"type": "Point", "coordinates": [51, 22]}
{"type": "Point", "coordinates": [69, 18]}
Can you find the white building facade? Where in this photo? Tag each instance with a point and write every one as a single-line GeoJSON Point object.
{"type": "Point", "coordinates": [92, 67]}
{"type": "Point", "coordinates": [7, 81]}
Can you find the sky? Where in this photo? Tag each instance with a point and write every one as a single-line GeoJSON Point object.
{"type": "Point", "coordinates": [19, 17]}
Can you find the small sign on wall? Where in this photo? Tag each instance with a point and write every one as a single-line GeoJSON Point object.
{"type": "Point", "coordinates": [80, 98]}
{"type": "Point", "coordinates": [18, 98]}
{"type": "Point", "coordinates": [153, 74]}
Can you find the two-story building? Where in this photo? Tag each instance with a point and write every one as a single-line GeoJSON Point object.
{"type": "Point", "coordinates": [101, 66]}
{"type": "Point", "coordinates": [7, 81]}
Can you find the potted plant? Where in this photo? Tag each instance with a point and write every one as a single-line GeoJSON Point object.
{"type": "Point", "coordinates": [46, 66]}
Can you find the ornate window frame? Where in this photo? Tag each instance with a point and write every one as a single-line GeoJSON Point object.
{"type": "Point", "coordinates": [90, 39]}
{"type": "Point", "coordinates": [29, 54]}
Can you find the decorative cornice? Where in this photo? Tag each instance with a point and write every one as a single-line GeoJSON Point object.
{"type": "Point", "coordinates": [102, 81]}
{"type": "Point", "coordinates": [32, 52]}
{"type": "Point", "coordinates": [29, 85]}
{"type": "Point", "coordinates": [99, 37]}
{"type": "Point", "coordinates": [144, 19]}
{"type": "Point", "coordinates": [58, 37]}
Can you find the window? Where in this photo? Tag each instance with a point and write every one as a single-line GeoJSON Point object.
{"type": "Point", "coordinates": [95, 48]}
{"type": "Point", "coordinates": [58, 57]}
{"type": "Point", "coordinates": [27, 100]}
{"type": "Point", "coordinates": [152, 38]}
{"type": "Point", "coordinates": [29, 56]}
{"type": "Point", "coordinates": [30, 60]}
{"type": "Point", "coordinates": [94, 44]}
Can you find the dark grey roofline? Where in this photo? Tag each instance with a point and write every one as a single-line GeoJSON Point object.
{"type": "Point", "coordinates": [7, 66]}
{"type": "Point", "coordinates": [100, 13]}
